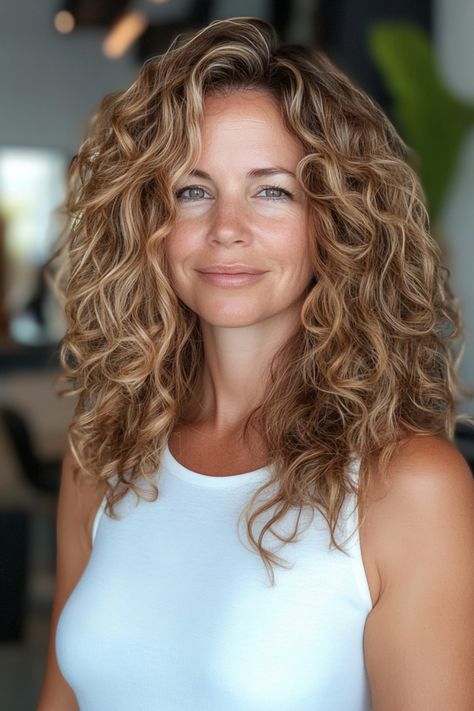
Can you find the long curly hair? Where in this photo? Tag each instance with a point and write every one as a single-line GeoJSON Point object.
{"type": "Point", "coordinates": [372, 362]}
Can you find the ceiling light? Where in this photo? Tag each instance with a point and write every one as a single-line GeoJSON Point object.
{"type": "Point", "coordinates": [127, 29]}
{"type": "Point", "coordinates": [64, 21]}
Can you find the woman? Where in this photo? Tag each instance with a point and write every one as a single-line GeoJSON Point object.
{"type": "Point", "coordinates": [259, 327]}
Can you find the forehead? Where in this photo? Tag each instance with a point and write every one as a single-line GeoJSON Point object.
{"type": "Point", "coordinates": [247, 120]}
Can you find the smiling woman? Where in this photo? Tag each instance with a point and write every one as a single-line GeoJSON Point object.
{"type": "Point", "coordinates": [231, 218]}
{"type": "Point", "coordinates": [259, 325]}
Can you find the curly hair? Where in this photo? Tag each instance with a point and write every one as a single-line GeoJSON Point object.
{"type": "Point", "coordinates": [372, 362]}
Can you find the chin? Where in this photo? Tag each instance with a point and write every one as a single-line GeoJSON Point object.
{"type": "Point", "coordinates": [230, 320]}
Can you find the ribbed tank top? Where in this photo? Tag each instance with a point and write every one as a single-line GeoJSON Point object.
{"type": "Point", "coordinates": [175, 612]}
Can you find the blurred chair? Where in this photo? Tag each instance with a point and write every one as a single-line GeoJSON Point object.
{"type": "Point", "coordinates": [464, 441]}
{"type": "Point", "coordinates": [14, 535]}
{"type": "Point", "coordinates": [43, 475]}
{"type": "Point", "coordinates": [19, 524]}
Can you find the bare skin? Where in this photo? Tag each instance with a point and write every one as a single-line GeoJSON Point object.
{"type": "Point", "coordinates": [231, 217]}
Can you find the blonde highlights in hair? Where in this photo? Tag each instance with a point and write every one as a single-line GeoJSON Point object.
{"type": "Point", "coordinates": [371, 363]}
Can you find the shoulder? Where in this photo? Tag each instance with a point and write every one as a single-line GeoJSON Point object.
{"type": "Point", "coordinates": [421, 525]}
{"type": "Point", "coordinates": [428, 483]}
{"type": "Point", "coordinates": [426, 476]}
{"type": "Point", "coordinates": [427, 499]}
{"type": "Point", "coordinates": [425, 471]}
{"type": "Point", "coordinates": [429, 466]}
{"type": "Point", "coordinates": [428, 460]}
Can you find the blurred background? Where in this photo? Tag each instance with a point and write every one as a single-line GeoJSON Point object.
{"type": "Point", "coordinates": [57, 60]}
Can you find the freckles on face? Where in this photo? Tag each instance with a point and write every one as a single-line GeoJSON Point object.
{"type": "Point", "coordinates": [243, 205]}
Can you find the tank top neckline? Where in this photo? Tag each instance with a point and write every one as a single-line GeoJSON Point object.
{"type": "Point", "coordinates": [218, 482]}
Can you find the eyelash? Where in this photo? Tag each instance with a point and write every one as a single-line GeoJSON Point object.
{"type": "Point", "coordinates": [287, 193]}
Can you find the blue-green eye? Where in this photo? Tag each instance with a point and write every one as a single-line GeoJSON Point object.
{"type": "Point", "coordinates": [194, 190]}
{"type": "Point", "coordinates": [274, 188]}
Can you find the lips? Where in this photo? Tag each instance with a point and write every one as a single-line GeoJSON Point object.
{"type": "Point", "coordinates": [227, 281]}
{"type": "Point", "coordinates": [230, 269]}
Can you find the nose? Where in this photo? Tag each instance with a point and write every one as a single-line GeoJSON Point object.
{"type": "Point", "coordinates": [230, 221]}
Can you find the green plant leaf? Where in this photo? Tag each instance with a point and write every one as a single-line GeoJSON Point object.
{"type": "Point", "coordinates": [430, 118]}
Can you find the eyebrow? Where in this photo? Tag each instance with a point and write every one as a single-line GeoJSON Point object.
{"type": "Point", "coordinates": [255, 173]}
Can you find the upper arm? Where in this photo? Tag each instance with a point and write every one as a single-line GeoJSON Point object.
{"type": "Point", "coordinates": [419, 637]}
{"type": "Point", "coordinates": [76, 504]}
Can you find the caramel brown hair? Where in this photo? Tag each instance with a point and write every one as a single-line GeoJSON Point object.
{"type": "Point", "coordinates": [372, 362]}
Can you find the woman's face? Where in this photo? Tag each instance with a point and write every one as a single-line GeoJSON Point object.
{"type": "Point", "coordinates": [242, 205]}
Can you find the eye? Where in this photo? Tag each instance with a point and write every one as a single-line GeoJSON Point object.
{"type": "Point", "coordinates": [275, 189]}
{"type": "Point", "coordinates": [194, 190]}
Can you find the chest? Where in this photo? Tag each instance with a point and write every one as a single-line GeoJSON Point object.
{"type": "Point", "coordinates": [227, 455]}
{"type": "Point", "coordinates": [216, 454]}
{"type": "Point", "coordinates": [173, 603]}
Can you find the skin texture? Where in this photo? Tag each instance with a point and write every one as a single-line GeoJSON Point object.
{"type": "Point", "coordinates": [234, 220]}
{"type": "Point", "coordinates": [419, 636]}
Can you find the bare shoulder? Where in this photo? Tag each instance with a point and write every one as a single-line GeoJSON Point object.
{"type": "Point", "coordinates": [427, 476]}
{"type": "Point", "coordinates": [80, 492]}
{"type": "Point", "coordinates": [428, 485]}
{"type": "Point", "coordinates": [421, 539]}
{"type": "Point", "coordinates": [429, 460]}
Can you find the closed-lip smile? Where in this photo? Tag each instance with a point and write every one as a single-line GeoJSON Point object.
{"type": "Point", "coordinates": [230, 269]}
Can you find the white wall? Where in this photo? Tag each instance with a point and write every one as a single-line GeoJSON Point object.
{"type": "Point", "coordinates": [454, 26]}
{"type": "Point", "coordinates": [50, 83]}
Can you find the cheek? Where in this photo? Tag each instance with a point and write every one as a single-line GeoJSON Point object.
{"type": "Point", "coordinates": [292, 243]}
{"type": "Point", "coordinates": [174, 256]}
{"type": "Point", "coordinates": [178, 245]}
{"type": "Point", "coordinates": [174, 243]}
{"type": "Point", "coordinates": [297, 252]}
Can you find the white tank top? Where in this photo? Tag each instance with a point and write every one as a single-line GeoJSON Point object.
{"type": "Point", "coordinates": [175, 612]}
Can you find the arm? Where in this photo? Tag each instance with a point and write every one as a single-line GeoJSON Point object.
{"type": "Point", "coordinates": [76, 507]}
{"type": "Point", "coordinates": [419, 637]}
